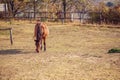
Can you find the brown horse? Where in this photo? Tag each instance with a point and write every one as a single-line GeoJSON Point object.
{"type": "Point", "coordinates": [40, 33]}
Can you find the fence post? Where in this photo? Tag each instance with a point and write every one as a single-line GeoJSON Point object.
{"type": "Point", "coordinates": [72, 17]}
{"type": "Point", "coordinates": [100, 17]}
{"type": "Point", "coordinates": [11, 39]}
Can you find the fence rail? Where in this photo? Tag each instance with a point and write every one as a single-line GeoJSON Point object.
{"type": "Point", "coordinates": [10, 30]}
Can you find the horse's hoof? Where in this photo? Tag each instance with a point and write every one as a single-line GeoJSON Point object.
{"type": "Point", "coordinates": [44, 50]}
{"type": "Point", "coordinates": [37, 51]}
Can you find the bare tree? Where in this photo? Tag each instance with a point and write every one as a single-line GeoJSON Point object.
{"type": "Point", "coordinates": [15, 6]}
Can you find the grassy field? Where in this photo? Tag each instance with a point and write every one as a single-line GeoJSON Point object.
{"type": "Point", "coordinates": [73, 53]}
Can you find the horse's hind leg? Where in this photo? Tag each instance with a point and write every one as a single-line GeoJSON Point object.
{"type": "Point", "coordinates": [44, 39]}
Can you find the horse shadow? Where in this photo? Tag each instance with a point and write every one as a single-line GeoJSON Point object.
{"type": "Point", "coordinates": [12, 52]}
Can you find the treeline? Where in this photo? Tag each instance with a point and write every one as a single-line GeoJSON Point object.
{"type": "Point", "coordinates": [105, 14]}
{"type": "Point", "coordinates": [98, 12]}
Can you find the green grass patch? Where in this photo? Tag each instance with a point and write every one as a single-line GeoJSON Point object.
{"type": "Point", "coordinates": [114, 50]}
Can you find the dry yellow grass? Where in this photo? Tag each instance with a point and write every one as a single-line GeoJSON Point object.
{"type": "Point", "coordinates": [73, 53]}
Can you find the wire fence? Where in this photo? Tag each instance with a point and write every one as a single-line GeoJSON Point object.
{"type": "Point", "coordinates": [82, 17]}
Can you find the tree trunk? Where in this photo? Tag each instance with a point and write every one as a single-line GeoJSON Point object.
{"type": "Point", "coordinates": [64, 8]}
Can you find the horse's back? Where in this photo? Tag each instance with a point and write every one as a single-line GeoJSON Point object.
{"type": "Point", "coordinates": [45, 30]}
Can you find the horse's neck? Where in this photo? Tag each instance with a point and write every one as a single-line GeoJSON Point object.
{"type": "Point", "coordinates": [39, 24]}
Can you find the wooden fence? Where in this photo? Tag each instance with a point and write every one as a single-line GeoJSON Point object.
{"type": "Point", "coordinates": [10, 30]}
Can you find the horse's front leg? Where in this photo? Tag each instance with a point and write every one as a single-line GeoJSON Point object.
{"type": "Point", "coordinates": [37, 46]}
{"type": "Point", "coordinates": [41, 44]}
{"type": "Point", "coordinates": [44, 39]}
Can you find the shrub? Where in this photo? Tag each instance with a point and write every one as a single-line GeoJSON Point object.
{"type": "Point", "coordinates": [114, 50]}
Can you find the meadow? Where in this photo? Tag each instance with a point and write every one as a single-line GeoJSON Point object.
{"type": "Point", "coordinates": [74, 52]}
